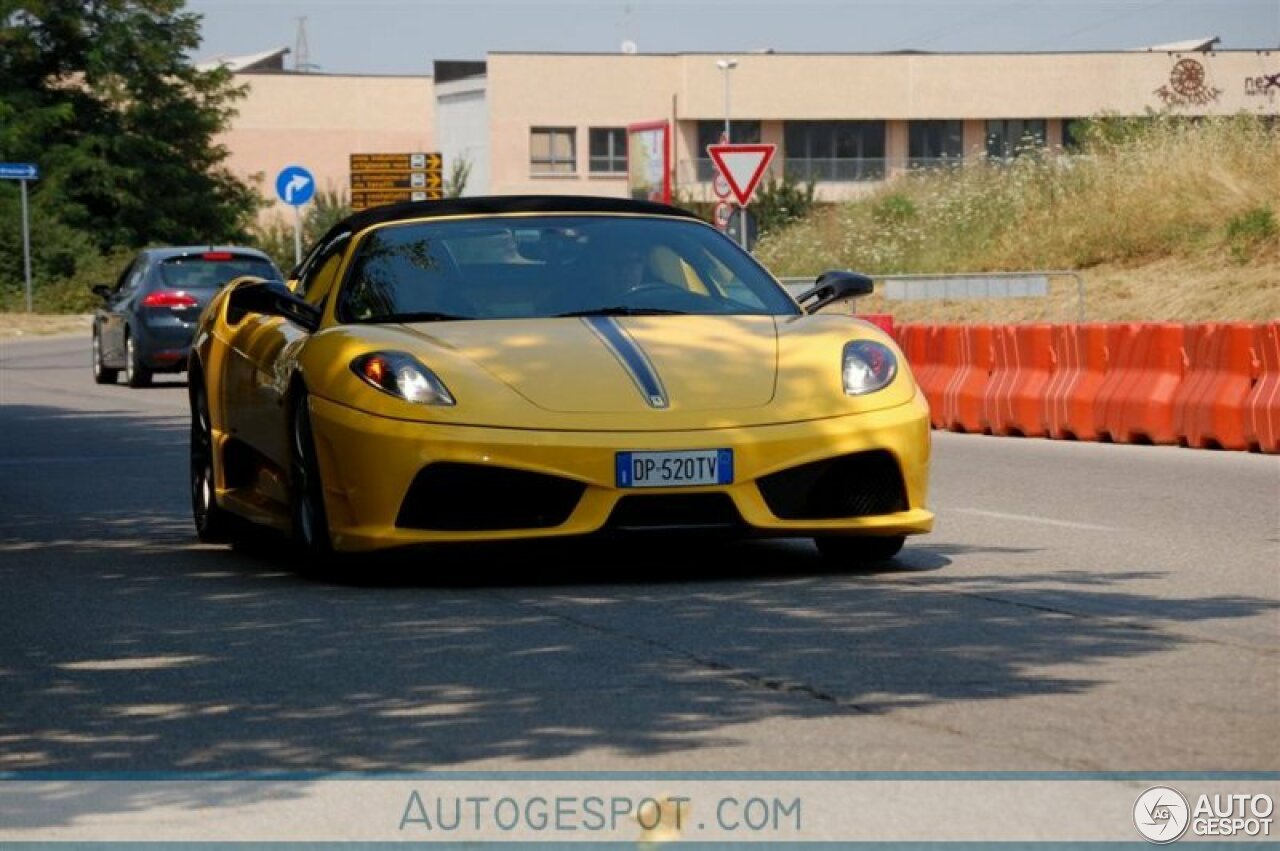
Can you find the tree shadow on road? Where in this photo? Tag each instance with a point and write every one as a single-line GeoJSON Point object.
{"type": "Point", "coordinates": [131, 647]}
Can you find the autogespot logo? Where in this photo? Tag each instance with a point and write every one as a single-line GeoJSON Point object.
{"type": "Point", "coordinates": [1161, 814]}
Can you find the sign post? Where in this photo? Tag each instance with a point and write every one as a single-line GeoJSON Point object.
{"type": "Point", "coordinates": [295, 186]}
{"type": "Point", "coordinates": [742, 167]}
{"type": "Point", "coordinates": [378, 179]}
{"type": "Point", "coordinates": [23, 172]}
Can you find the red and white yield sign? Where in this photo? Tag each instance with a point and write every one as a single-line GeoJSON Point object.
{"type": "Point", "coordinates": [742, 166]}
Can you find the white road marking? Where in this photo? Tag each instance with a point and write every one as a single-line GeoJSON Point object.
{"type": "Point", "coordinates": [1026, 518]}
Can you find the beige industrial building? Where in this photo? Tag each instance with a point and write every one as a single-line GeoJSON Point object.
{"type": "Point", "coordinates": [319, 120]}
{"type": "Point", "coordinates": [556, 123]}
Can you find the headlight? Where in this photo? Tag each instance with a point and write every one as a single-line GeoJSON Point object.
{"type": "Point", "coordinates": [402, 376]}
{"type": "Point", "coordinates": [868, 366]}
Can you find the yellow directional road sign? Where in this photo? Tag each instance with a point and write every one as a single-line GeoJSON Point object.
{"type": "Point", "coordinates": [378, 179]}
{"type": "Point", "coordinates": [363, 199]}
{"type": "Point", "coordinates": [363, 163]}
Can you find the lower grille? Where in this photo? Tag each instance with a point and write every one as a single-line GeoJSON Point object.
{"type": "Point", "coordinates": [858, 485]}
{"type": "Point", "coordinates": [675, 511]}
{"type": "Point", "coordinates": [451, 497]}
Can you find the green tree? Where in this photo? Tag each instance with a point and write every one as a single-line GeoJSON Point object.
{"type": "Point", "coordinates": [102, 95]}
{"type": "Point", "coordinates": [459, 174]}
{"type": "Point", "coordinates": [275, 237]}
{"type": "Point", "coordinates": [781, 201]}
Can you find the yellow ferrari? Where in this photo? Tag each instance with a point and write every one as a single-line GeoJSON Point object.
{"type": "Point", "coordinates": [527, 367]}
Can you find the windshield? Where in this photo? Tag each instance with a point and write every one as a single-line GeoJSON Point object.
{"type": "Point", "coordinates": [213, 269]}
{"type": "Point", "coordinates": [510, 267]}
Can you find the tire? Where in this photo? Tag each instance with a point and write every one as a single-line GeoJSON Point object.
{"type": "Point", "coordinates": [310, 522]}
{"type": "Point", "coordinates": [135, 374]}
{"type": "Point", "coordinates": [214, 524]}
{"type": "Point", "coordinates": [101, 375]}
{"type": "Point", "coordinates": [859, 552]}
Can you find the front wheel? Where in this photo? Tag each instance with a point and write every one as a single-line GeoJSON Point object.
{"type": "Point", "coordinates": [101, 374]}
{"type": "Point", "coordinates": [310, 522]}
{"type": "Point", "coordinates": [859, 552]}
{"type": "Point", "coordinates": [214, 524]}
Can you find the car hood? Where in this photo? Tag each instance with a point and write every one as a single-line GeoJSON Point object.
{"type": "Point", "coordinates": [575, 374]}
{"type": "Point", "coordinates": [596, 365]}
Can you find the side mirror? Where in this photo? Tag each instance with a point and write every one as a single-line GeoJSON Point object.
{"type": "Point", "coordinates": [271, 298]}
{"type": "Point", "coordinates": [833, 286]}
{"type": "Point", "coordinates": [101, 290]}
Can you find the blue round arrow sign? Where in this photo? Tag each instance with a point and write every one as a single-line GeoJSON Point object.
{"type": "Point", "coordinates": [295, 185]}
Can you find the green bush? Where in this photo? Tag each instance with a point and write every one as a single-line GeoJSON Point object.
{"type": "Point", "coordinates": [275, 236]}
{"type": "Point", "coordinates": [1253, 225]}
{"type": "Point", "coordinates": [780, 201]}
{"type": "Point", "coordinates": [1248, 230]}
{"type": "Point", "coordinates": [893, 209]}
{"type": "Point", "coordinates": [72, 293]}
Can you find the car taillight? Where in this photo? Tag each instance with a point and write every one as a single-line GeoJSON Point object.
{"type": "Point", "coordinates": [216, 255]}
{"type": "Point", "coordinates": [169, 298]}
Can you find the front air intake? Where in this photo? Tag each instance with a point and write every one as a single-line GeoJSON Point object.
{"type": "Point", "coordinates": [692, 511]}
{"type": "Point", "coordinates": [863, 484]}
{"type": "Point", "coordinates": [452, 497]}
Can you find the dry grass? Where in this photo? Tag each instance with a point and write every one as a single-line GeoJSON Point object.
{"type": "Point", "coordinates": [17, 325]}
{"type": "Point", "coordinates": [1165, 219]}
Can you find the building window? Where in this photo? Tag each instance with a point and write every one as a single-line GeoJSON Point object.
{"type": "Point", "coordinates": [608, 150]}
{"type": "Point", "coordinates": [834, 150]}
{"type": "Point", "coordinates": [553, 150]}
{"type": "Point", "coordinates": [1011, 136]}
{"type": "Point", "coordinates": [1073, 130]}
{"type": "Point", "coordinates": [931, 143]}
{"type": "Point", "coordinates": [709, 132]}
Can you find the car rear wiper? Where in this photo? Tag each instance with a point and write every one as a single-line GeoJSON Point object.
{"type": "Point", "coordinates": [620, 310]}
{"type": "Point", "coordinates": [421, 316]}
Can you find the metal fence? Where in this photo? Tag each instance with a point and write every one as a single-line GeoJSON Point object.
{"type": "Point", "coordinates": [825, 169]}
{"type": "Point", "coordinates": [967, 286]}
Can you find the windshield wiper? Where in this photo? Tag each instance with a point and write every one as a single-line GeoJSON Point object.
{"type": "Point", "coordinates": [621, 310]}
{"type": "Point", "coordinates": [422, 316]}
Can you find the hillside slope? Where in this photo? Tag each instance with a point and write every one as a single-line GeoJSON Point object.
{"type": "Point", "coordinates": [1165, 219]}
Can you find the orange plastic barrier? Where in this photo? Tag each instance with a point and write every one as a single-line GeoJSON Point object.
{"type": "Point", "coordinates": [883, 321]}
{"type": "Point", "coordinates": [1023, 366]}
{"type": "Point", "coordinates": [950, 363]}
{"type": "Point", "coordinates": [1209, 406]}
{"type": "Point", "coordinates": [1206, 386]}
{"type": "Point", "coordinates": [922, 346]}
{"type": "Point", "coordinates": [1135, 403]}
{"type": "Point", "coordinates": [963, 399]}
{"type": "Point", "coordinates": [1082, 353]}
{"type": "Point", "coordinates": [1262, 405]}
{"type": "Point", "coordinates": [1036, 365]}
{"type": "Point", "coordinates": [1002, 373]}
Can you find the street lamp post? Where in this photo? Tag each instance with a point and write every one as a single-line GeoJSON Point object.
{"type": "Point", "coordinates": [726, 65]}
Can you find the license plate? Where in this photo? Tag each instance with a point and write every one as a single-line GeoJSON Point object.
{"type": "Point", "coordinates": [675, 469]}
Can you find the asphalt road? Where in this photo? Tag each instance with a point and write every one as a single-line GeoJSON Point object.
{"type": "Point", "coordinates": [1080, 606]}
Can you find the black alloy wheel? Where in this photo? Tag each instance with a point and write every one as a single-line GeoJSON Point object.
{"type": "Point", "coordinates": [214, 524]}
{"type": "Point", "coordinates": [310, 522]}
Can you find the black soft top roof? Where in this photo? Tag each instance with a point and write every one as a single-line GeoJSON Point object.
{"type": "Point", "coordinates": [499, 204]}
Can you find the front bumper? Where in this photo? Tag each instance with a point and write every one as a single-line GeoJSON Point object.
{"type": "Point", "coordinates": [368, 462]}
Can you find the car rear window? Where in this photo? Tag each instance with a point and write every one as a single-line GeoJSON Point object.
{"type": "Point", "coordinates": [213, 269]}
